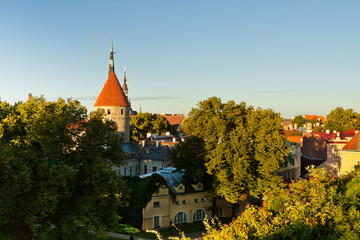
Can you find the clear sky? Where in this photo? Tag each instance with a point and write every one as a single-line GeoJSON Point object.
{"type": "Point", "coordinates": [296, 57]}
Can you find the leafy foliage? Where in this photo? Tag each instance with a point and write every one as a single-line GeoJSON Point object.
{"type": "Point", "coordinates": [244, 146]}
{"type": "Point", "coordinates": [190, 155]}
{"type": "Point", "coordinates": [341, 119]}
{"type": "Point", "coordinates": [299, 120]}
{"type": "Point", "coordinates": [55, 168]}
{"type": "Point", "coordinates": [319, 208]}
{"type": "Point", "coordinates": [144, 123]}
{"type": "Point", "coordinates": [142, 190]}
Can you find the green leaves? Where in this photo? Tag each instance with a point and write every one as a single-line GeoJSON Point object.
{"type": "Point", "coordinates": [244, 146]}
{"type": "Point", "coordinates": [144, 123]}
{"type": "Point", "coordinates": [341, 119]}
{"type": "Point", "coordinates": [55, 167]}
{"type": "Point", "coordinates": [308, 209]}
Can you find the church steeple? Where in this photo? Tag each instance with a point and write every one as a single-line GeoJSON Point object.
{"type": "Point", "coordinates": [111, 61]}
{"type": "Point", "coordinates": [114, 102]}
{"type": "Point", "coordinates": [125, 87]}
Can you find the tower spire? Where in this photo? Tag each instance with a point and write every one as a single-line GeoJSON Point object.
{"type": "Point", "coordinates": [125, 87]}
{"type": "Point", "coordinates": [111, 61]}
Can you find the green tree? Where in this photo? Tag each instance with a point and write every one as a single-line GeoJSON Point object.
{"type": "Point", "coordinates": [341, 119]}
{"type": "Point", "coordinates": [244, 146]}
{"type": "Point", "coordinates": [144, 123]}
{"type": "Point", "coordinates": [299, 120]}
{"type": "Point", "coordinates": [316, 208]}
{"type": "Point", "coordinates": [190, 155]}
{"type": "Point", "coordinates": [56, 168]}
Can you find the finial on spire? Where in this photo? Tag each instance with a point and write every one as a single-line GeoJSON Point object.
{"type": "Point", "coordinates": [111, 61]}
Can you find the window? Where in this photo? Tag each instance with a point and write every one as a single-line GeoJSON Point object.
{"type": "Point", "coordinates": [177, 202]}
{"type": "Point", "coordinates": [199, 215]}
{"type": "Point", "coordinates": [180, 188]}
{"type": "Point", "coordinates": [184, 202]}
{"type": "Point", "coordinates": [220, 212]}
{"type": "Point", "coordinates": [108, 111]}
{"type": "Point", "coordinates": [203, 199]}
{"type": "Point", "coordinates": [119, 171]}
{"type": "Point", "coordinates": [124, 171]}
{"type": "Point", "coordinates": [122, 111]}
{"type": "Point", "coordinates": [156, 204]}
{"type": "Point", "coordinates": [196, 200]}
{"type": "Point", "coordinates": [130, 171]}
{"type": "Point", "coordinates": [180, 217]}
{"type": "Point", "coordinates": [154, 169]}
{"type": "Point", "coordinates": [145, 169]}
{"type": "Point", "coordinates": [157, 221]}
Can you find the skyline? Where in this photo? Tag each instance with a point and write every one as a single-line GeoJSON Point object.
{"type": "Point", "coordinates": [295, 58]}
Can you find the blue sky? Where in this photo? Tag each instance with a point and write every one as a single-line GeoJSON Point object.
{"type": "Point", "coordinates": [296, 57]}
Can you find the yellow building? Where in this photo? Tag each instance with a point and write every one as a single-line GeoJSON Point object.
{"type": "Point", "coordinates": [177, 203]}
{"type": "Point", "coordinates": [350, 155]}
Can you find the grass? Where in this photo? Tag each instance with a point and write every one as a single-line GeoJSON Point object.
{"type": "Point", "coordinates": [186, 228]}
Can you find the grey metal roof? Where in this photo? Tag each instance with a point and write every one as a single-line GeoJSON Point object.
{"type": "Point", "coordinates": [171, 177]}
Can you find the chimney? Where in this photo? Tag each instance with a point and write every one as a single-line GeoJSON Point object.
{"type": "Point", "coordinates": [29, 96]}
{"type": "Point", "coordinates": [174, 139]}
{"type": "Point", "coordinates": [334, 131]}
{"type": "Point", "coordinates": [143, 143]}
{"type": "Point", "coordinates": [148, 135]}
{"type": "Point", "coordinates": [167, 134]}
{"type": "Point", "coordinates": [157, 143]}
{"type": "Point", "coordinates": [327, 131]}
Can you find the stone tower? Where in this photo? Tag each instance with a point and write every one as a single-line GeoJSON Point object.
{"type": "Point", "coordinates": [114, 101]}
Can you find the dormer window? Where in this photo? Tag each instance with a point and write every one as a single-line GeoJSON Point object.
{"type": "Point", "coordinates": [108, 111]}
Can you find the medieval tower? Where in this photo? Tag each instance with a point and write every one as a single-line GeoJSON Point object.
{"type": "Point", "coordinates": [115, 102]}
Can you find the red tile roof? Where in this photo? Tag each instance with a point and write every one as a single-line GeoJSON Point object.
{"type": "Point", "coordinates": [309, 117]}
{"type": "Point", "coordinates": [328, 136]}
{"type": "Point", "coordinates": [174, 119]}
{"type": "Point", "coordinates": [352, 144]}
{"type": "Point", "coordinates": [296, 139]}
{"type": "Point", "coordinates": [112, 93]}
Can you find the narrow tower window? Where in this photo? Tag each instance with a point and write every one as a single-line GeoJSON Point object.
{"type": "Point", "coordinates": [108, 111]}
{"type": "Point", "coordinates": [122, 111]}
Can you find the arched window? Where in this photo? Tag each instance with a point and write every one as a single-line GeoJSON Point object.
{"type": "Point", "coordinates": [180, 217]}
{"type": "Point", "coordinates": [199, 215]}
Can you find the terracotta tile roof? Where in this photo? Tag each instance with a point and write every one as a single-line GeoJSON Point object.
{"type": "Point", "coordinates": [353, 143]}
{"type": "Point", "coordinates": [309, 117]}
{"type": "Point", "coordinates": [112, 93]}
{"type": "Point", "coordinates": [174, 119]}
{"type": "Point", "coordinates": [296, 139]}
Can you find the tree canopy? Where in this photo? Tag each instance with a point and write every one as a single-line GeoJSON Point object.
{"type": "Point", "coordinates": [244, 146]}
{"type": "Point", "coordinates": [56, 168]}
{"type": "Point", "coordinates": [190, 155]}
{"type": "Point", "coordinates": [341, 119]}
{"type": "Point", "coordinates": [319, 208]}
{"type": "Point", "coordinates": [298, 120]}
{"type": "Point", "coordinates": [144, 123]}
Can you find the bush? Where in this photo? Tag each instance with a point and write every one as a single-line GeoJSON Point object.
{"type": "Point", "coordinates": [125, 228]}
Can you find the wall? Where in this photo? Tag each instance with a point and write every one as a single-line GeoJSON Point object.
{"type": "Point", "coordinates": [122, 120]}
{"type": "Point", "coordinates": [168, 209]}
{"type": "Point", "coordinates": [349, 159]}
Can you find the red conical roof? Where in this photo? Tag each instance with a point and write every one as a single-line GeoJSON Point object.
{"type": "Point", "coordinates": [112, 93]}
